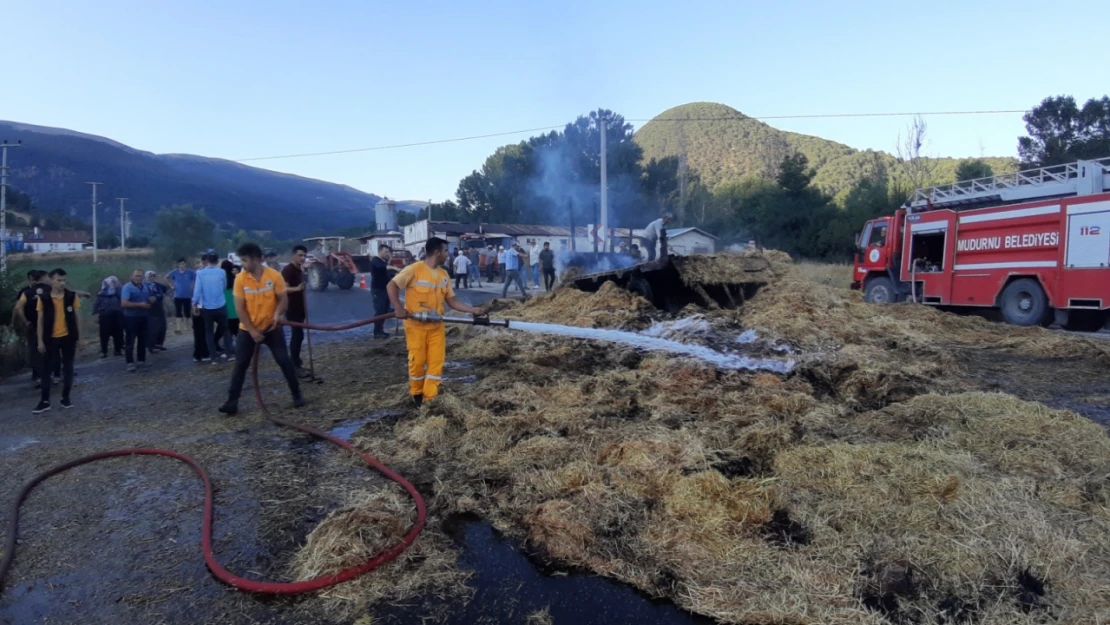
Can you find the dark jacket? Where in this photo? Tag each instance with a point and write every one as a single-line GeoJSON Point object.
{"type": "Point", "coordinates": [48, 314]}
{"type": "Point", "coordinates": [107, 304]}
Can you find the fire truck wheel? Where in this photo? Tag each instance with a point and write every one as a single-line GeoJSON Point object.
{"type": "Point", "coordinates": [879, 291]}
{"type": "Point", "coordinates": [1024, 303]}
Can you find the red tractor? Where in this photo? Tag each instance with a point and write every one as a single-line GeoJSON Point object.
{"type": "Point", "coordinates": [339, 268]}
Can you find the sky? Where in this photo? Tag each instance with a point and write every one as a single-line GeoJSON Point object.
{"type": "Point", "coordinates": [242, 78]}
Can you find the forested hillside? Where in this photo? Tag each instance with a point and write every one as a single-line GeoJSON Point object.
{"type": "Point", "coordinates": [724, 145]}
{"type": "Point", "coordinates": [53, 165]}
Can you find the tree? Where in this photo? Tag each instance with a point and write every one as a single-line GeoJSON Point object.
{"type": "Point", "coordinates": [1060, 132]}
{"type": "Point", "coordinates": [107, 240]}
{"type": "Point", "coordinates": [405, 218]}
{"type": "Point", "coordinates": [972, 168]}
{"type": "Point", "coordinates": [918, 168]}
{"type": "Point", "coordinates": [183, 231]}
{"type": "Point", "coordinates": [794, 174]}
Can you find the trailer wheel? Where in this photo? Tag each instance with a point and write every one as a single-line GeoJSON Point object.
{"type": "Point", "coordinates": [639, 286]}
{"type": "Point", "coordinates": [317, 277]}
{"type": "Point", "coordinates": [1024, 303]}
{"type": "Point", "coordinates": [1085, 320]}
{"type": "Point", "coordinates": [879, 290]}
{"type": "Point", "coordinates": [344, 279]}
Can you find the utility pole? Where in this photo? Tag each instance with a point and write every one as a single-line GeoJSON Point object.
{"type": "Point", "coordinates": [122, 224]}
{"type": "Point", "coordinates": [94, 185]}
{"type": "Point", "coordinates": [4, 205]}
{"type": "Point", "coordinates": [604, 189]}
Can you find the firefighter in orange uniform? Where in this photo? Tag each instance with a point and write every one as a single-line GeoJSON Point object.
{"type": "Point", "coordinates": [427, 289]}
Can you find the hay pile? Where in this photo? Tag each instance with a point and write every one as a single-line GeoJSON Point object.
{"type": "Point", "coordinates": [610, 307]}
{"type": "Point", "coordinates": [749, 267]}
{"type": "Point", "coordinates": [874, 485]}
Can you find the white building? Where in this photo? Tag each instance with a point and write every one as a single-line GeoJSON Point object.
{"type": "Point", "coordinates": [41, 242]}
{"type": "Point", "coordinates": [371, 240]}
{"type": "Point", "coordinates": [684, 241]}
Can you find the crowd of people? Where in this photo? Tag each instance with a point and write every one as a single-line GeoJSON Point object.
{"type": "Point", "coordinates": [232, 308]}
{"type": "Point", "coordinates": [507, 266]}
{"type": "Point", "coordinates": [133, 317]}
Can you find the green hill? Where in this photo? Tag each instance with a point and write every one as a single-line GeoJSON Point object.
{"type": "Point", "coordinates": [723, 144]}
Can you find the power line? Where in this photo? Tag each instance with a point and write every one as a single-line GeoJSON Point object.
{"type": "Point", "coordinates": [824, 116]}
{"type": "Point", "coordinates": [401, 145]}
{"type": "Point", "coordinates": [686, 119]}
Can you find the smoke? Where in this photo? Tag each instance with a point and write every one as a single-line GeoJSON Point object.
{"type": "Point", "coordinates": [567, 177]}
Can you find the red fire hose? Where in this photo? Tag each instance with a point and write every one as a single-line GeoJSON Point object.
{"type": "Point", "coordinates": [279, 588]}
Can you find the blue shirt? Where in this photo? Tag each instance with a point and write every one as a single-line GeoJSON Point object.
{"type": "Point", "coordinates": [512, 261]}
{"type": "Point", "coordinates": [182, 283]}
{"type": "Point", "coordinates": [138, 295]}
{"type": "Point", "coordinates": [209, 291]}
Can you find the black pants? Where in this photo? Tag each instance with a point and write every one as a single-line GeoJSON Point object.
{"type": "Point", "coordinates": [296, 339]}
{"type": "Point", "coordinates": [136, 329]}
{"type": "Point", "coordinates": [549, 278]}
{"type": "Point", "coordinates": [156, 331]}
{"type": "Point", "coordinates": [111, 327]}
{"type": "Point", "coordinates": [183, 307]}
{"type": "Point", "coordinates": [215, 324]}
{"type": "Point", "coordinates": [650, 245]}
{"type": "Point", "coordinates": [59, 353]}
{"type": "Point", "coordinates": [381, 307]}
{"type": "Point", "coordinates": [244, 351]}
{"type": "Point", "coordinates": [233, 327]}
{"type": "Point", "coordinates": [34, 359]}
{"type": "Point", "coordinates": [463, 278]}
{"type": "Point", "coordinates": [200, 346]}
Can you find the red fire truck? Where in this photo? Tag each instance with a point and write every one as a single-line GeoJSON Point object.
{"type": "Point", "coordinates": [1034, 244]}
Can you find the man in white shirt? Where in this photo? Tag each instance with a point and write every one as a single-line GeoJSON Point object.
{"type": "Point", "coordinates": [654, 232]}
{"type": "Point", "coordinates": [462, 270]}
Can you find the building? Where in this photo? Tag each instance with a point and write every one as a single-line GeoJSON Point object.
{"type": "Point", "coordinates": [690, 241]}
{"type": "Point", "coordinates": [46, 241]}
{"type": "Point", "coordinates": [680, 240]}
{"type": "Point", "coordinates": [371, 240]}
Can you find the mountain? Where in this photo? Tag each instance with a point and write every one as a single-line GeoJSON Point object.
{"type": "Point", "coordinates": [722, 144]}
{"type": "Point", "coordinates": [53, 165]}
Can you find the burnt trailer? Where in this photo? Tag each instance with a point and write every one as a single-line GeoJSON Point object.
{"type": "Point", "coordinates": [673, 282]}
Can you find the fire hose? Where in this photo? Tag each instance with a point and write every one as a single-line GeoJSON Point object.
{"type": "Point", "coordinates": [282, 588]}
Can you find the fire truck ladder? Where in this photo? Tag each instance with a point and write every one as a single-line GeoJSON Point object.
{"type": "Point", "coordinates": [1078, 178]}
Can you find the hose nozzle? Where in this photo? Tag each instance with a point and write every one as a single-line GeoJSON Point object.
{"type": "Point", "coordinates": [477, 321]}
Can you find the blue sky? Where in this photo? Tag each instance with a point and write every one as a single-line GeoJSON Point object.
{"type": "Point", "coordinates": [238, 79]}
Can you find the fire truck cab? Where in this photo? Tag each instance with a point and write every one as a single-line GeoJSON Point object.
{"type": "Point", "coordinates": [1034, 244]}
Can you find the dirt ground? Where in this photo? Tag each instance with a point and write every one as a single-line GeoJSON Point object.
{"type": "Point", "coordinates": [118, 541]}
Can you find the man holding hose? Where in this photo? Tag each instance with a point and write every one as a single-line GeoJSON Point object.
{"type": "Point", "coordinates": [261, 302]}
{"type": "Point", "coordinates": [427, 289]}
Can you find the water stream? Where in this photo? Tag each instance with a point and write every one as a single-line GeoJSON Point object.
{"type": "Point", "coordinates": [655, 343]}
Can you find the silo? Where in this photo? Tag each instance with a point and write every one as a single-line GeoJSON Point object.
{"type": "Point", "coordinates": [385, 215]}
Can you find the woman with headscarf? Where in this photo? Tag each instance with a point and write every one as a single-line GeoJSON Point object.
{"type": "Point", "coordinates": [156, 329]}
{"type": "Point", "coordinates": [232, 315]}
{"type": "Point", "coordinates": [109, 314]}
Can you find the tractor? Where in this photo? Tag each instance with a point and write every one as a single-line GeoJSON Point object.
{"type": "Point", "coordinates": [339, 268]}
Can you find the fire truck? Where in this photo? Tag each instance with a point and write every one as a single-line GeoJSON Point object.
{"type": "Point", "coordinates": [1034, 245]}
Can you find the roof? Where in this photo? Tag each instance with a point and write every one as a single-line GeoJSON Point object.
{"type": "Point", "coordinates": [681, 231]}
{"type": "Point", "coordinates": [56, 236]}
{"type": "Point", "coordinates": [381, 234]}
